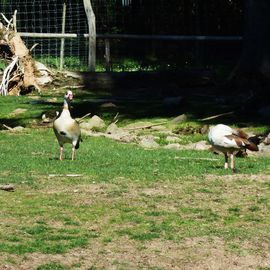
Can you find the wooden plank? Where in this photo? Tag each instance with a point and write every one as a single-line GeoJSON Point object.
{"type": "Point", "coordinates": [92, 34]}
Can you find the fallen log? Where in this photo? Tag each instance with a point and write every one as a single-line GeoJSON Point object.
{"type": "Point", "coordinates": [7, 187]}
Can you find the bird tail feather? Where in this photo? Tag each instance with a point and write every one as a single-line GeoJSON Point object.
{"type": "Point", "coordinates": [252, 146]}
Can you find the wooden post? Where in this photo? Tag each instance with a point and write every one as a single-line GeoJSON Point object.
{"type": "Point", "coordinates": [107, 55]}
{"type": "Point", "coordinates": [62, 47]}
{"type": "Point", "coordinates": [92, 34]}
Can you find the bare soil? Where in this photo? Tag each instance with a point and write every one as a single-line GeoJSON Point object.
{"type": "Point", "coordinates": [195, 254]}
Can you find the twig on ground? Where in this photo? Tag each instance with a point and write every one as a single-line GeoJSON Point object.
{"type": "Point", "coordinates": [216, 116]}
{"type": "Point", "coordinates": [65, 175]}
{"type": "Point", "coordinates": [115, 119]}
{"type": "Point", "coordinates": [192, 158]}
{"type": "Point", "coordinates": [7, 187]}
{"type": "Point", "coordinates": [7, 127]}
{"type": "Point", "coordinates": [72, 86]}
{"type": "Point", "coordinates": [147, 126]}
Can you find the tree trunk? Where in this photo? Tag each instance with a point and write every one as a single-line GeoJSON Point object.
{"type": "Point", "coordinates": [254, 66]}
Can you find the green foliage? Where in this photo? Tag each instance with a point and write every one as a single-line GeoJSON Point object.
{"type": "Point", "coordinates": [3, 64]}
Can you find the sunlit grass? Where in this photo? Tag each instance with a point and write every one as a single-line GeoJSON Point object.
{"type": "Point", "coordinates": [115, 191]}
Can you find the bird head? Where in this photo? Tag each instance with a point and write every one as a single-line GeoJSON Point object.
{"type": "Point", "coordinates": [69, 96]}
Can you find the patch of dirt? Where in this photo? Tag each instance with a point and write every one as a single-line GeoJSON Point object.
{"type": "Point", "coordinates": [200, 253]}
{"type": "Point", "coordinates": [194, 253]}
{"type": "Point", "coordinates": [234, 177]}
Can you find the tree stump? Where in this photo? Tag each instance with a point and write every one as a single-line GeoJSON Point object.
{"type": "Point", "coordinates": [22, 75]}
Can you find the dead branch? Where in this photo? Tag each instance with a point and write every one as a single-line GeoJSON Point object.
{"type": "Point", "coordinates": [14, 18]}
{"type": "Point", "coordinates": [147, 126]}
{"type": "Point", "coordinates": [33, 47]}
{"type": "Point", "coordinates": [71, 86]}
{"type": "Point", "coordinates": [216, 116]}
{"type": "Point", "coordinates": [8, 187]}
{"type": "Point", "coordinates": [6, 76]}
{"type": "Point", "coordinates": [22, 75]}
{"type": "Point", "coordinates": [80, 120]}
{"type": "Point", "coordinates": [5, 19]}
{"type": "Point", "coordinates": [7, 127]}
{"type": "Point", "coordinates": [192, 158]}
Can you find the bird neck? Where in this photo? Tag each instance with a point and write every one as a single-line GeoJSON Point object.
{"type": "Point", "coordinates": [66, 105]}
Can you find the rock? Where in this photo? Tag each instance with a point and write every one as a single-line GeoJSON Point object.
{"type": "Point", "coordinates": [119, 134]}
{"type": "Point", "coordinates": [114, 133]}
{"type": "Point", "coordinates": [174, 146]}
{"type": "Point", "coordinates": [267, 139]}
{"type": "Point", "coordinates": [148, 142]}
{"type": "Point", "coordinates": [264, 149]}
{"type": "Point", "coordinates": [180, 119]}
{"type": "Point", "coordinates": [172, 139]}
{"type": "Point", "coordinates": [112, 129]}
{"type": "Point", "coordinates": [94, 122]}
{"type": "Point", "coordinates": [124, 137]}
{"type": "Point", "coordinates": [18, 129]}
{"type": "Point", "coordinates": [201, 145]}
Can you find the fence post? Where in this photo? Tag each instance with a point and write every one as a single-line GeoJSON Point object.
{"type": "Point", "coordinates": [62, 47]}
{"type": "Point", "coordinates": [107, 55]}
{"type": "Point", "coordinates": [92, 34]}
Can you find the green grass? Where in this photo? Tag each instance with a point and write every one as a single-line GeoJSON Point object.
{"type": "Point", "coordinates": [72, 63]}
{"type": "Point", "coordinates": [52, 266]}
{"type": "Point", "coordinates": [113, 192]}
{"type": "Point", "coordinates": [48, 217]}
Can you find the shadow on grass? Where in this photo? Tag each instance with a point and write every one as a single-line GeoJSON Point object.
{"type": "Point", "coordinates": [141, 95]}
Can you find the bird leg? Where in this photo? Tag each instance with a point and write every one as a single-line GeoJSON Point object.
{"type": "Point", "coordinates": [232, 162]}
{"type": "Point", "coordinates": [73, 152]}
{"type": "Point", "coordinates": [61, 153]}
{"type": "Point", "coordinates": [226, 165]}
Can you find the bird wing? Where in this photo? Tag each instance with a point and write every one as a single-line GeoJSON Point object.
{"type": "Point", "coordinates": [239, 142]}
{"type": "Point", "coordinates": [240, 133]}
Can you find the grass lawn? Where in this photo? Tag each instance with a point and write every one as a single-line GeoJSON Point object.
{"type": "Point", "coordinates": [119, 206]}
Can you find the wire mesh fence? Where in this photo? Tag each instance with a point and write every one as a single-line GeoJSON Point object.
{"type": "Point", "coordinates": [152, 17]}
{"type": "Point", "coordinates": [41, 16]}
